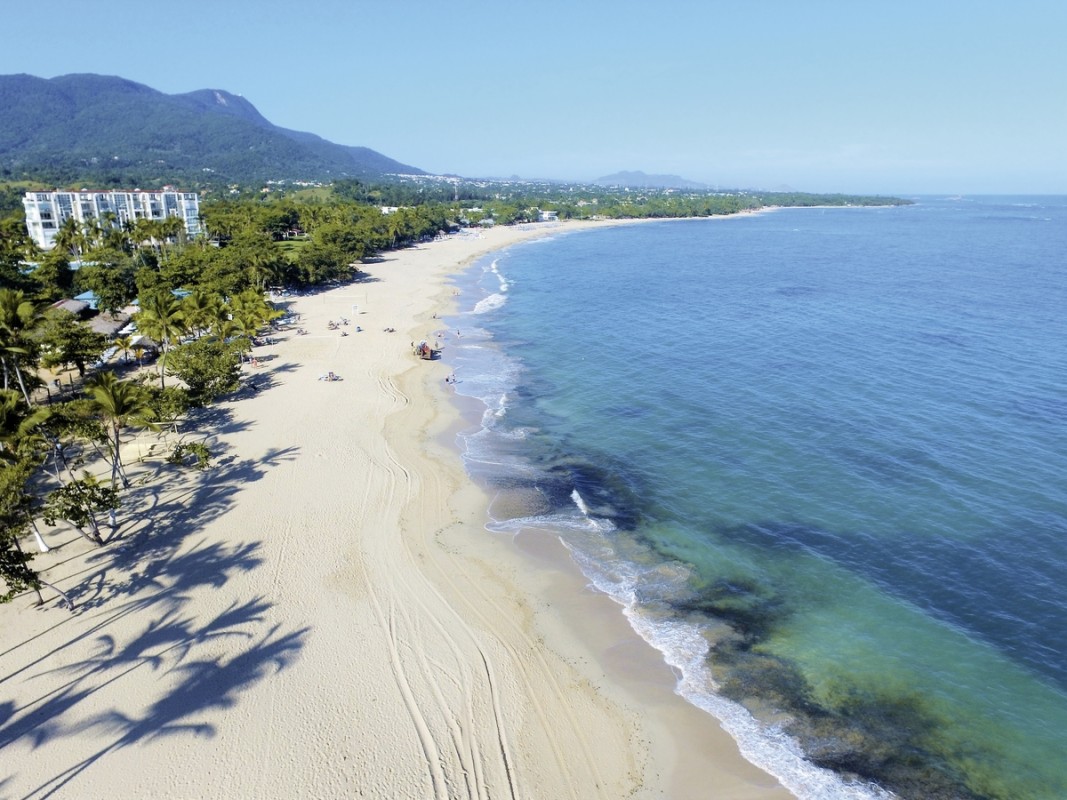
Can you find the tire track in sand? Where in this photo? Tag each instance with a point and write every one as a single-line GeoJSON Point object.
{"type": "Point", "coordinates": [470, 675]}
{"type": "Point", "coordinates": [521, 664]}
{"type": "Point", "coordinates": [480, 656]}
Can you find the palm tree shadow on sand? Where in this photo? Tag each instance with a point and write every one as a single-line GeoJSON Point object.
{"type": "Point", "coordinates": [154, 570]}
{"type": "Point", "coordinates": [203, 684]}
{"type": "Point", "coordinates": [151, 551]}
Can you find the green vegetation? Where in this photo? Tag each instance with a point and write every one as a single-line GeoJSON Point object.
{"type": "Point", "coordinates": [203, 303]}
{"type": "Point", "coordinates": [66, 342]}
{"type": "Point", "coordinates": [188, 138]}
{"type": "Point", "coordinates": [210, 367]}
{"type": "Point", "coordinates": [191, 454]}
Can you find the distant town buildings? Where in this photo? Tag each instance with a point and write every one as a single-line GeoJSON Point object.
{"type": "Point", "coordinates": [47, 211]}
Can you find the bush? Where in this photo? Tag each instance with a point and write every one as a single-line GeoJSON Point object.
{"type": "Point", "coordinates": [191, 454]}
{"type": "Point", "coordinates": [210, 368]}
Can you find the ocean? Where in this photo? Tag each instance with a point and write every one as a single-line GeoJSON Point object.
{"type": "Point", "coordinates": [819, 457]}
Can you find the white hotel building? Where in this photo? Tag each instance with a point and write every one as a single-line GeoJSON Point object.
{"type": "Point", "coordinates": [47, 211]}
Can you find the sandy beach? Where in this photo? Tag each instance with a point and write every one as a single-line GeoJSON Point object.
{"type": "Point", "coordinates": [322, 614]}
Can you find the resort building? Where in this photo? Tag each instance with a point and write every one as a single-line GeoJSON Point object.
{"type": "Point", "coordinates": [47, 211]}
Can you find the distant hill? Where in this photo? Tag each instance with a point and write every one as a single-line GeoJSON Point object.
{"type": "Point", "coordinates": [639, 180]}
{"type": "Point", "coordinates": [103, 127]}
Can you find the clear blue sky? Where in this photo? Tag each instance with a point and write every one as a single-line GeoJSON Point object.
{"type": "Point", "coordinates": [887, 96]}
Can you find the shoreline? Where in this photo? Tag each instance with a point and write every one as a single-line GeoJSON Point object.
{"type": "Point", "coordinates": [588, 628]}
{"type": "Point", "coordinates": [323, 611]}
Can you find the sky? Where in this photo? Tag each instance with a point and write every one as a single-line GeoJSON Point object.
{"type": "Point", "coordinates": [901, 97]}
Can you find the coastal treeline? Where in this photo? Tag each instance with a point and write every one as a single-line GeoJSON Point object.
{"type": "Point", "coordinates": [509, 202]}
{"type": "Point", "coordinates": [199, 304]}
{"type": "Point", "coordinates": [71, 396]}
{"type": "Point", "coordinates": [198, 307]}
{"type": "Point", "coordinates": [310, 237]}
{"type": "Point", "coordinates": [53, 438]}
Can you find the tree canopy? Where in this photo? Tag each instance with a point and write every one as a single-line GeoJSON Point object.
{"type": "Point", "coordinates": [203, 301]}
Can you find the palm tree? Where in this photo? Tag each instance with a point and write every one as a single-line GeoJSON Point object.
{"type": "Point", "coordinates": [200, 310]}
{"type": "Point", "coordinates": [23, 443]}
{"type": "Point", "coordinates": [18, 318]}
{"type": "Point", "coordinates": [161, 318]}
{"type": "Point", "coordinates": [124, 344]}
{"type": "Point", "coordinates": [115, 235]}
{"type": "Point", "coordinates": [92, 233]}
{"type": "Point", "coordinates": [144, 231]}
{"type": "Point", "coordinates": [251, 310]}
{"type": "Point", "coordinates": [120, 404]}
{"type": "Point", "coordinates": [13, 422]}
{"type": "Point", "coordinates": [263, 270]}
{"type": "Point", "coordinates": [172, 229]}
{"type": "Point", "coordinates": [26, 437]}
{"type": "Point", "coordinates": [69, 237]}
{"type": "Point", "coordinates": [78, 502]}
{"type": "Point", "coordinates": [312, 216]}
{"type": "Point", "coordinates": [14, 511]}
{"type": "Point", "coordinates": [228, 329]}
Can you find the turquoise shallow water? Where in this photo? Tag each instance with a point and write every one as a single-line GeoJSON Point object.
{"type": "Point", "coordinates": [820, 458]}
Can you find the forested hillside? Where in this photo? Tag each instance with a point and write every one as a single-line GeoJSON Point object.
{"type": "Point", "coordinates": [113, 132]}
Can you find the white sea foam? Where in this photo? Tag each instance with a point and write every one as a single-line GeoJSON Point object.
{"type": "Point", "coordinates": [685, 649]}
{"type": "Point", "coordinates": [496, 271]}
{"type": "Point", "coordinates": [682, 643]}
{"type": "Point", "coordinates": [490, 303]}
{"type": "Point", "coordinates": [768, 747]}
{"type": "Point", "coordinates": [502, 406]}
{"type": "Point", "coordinates": [494, 410]}
{"type": "Point", "coordinates": [589, 521]}
{"type": "Point", "coordinates": [553, 522]}
{"type": "Point", "coordinates": [483, 445]}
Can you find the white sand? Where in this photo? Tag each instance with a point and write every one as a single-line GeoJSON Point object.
{"type": "Point", "coordinates": [323, 615]}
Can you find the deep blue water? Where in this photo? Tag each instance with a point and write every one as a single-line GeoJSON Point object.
{"type": "Point", "coordinates": [820, 458]}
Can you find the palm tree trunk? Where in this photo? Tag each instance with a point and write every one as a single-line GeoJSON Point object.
{"type": "Point", "coordinates": [44, 548]}
{"type": "Point", "coordinates": [57, 456]}
{"type": "Point", "coordinates": [60, 592]}
{"type": "Point", "coordinates": [22, 385]}
{"type": "Point", "coordinates": [116, 460]}
{"type": "Point", "coordinates": [163, 365]}
{"type": "Point", "coordinates": [14, 367]}
{"type": "Point", "coordinates": [93, 535]}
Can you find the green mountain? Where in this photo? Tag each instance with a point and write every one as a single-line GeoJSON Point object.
{"type": "Point", "coordinates": [97, 127]}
